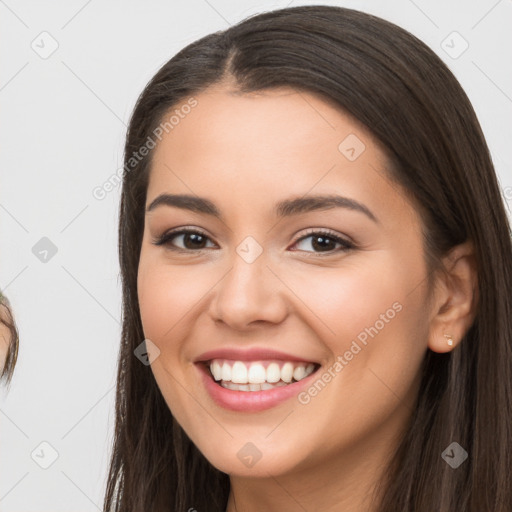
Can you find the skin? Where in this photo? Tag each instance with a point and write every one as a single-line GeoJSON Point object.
{"type": "Point", "coordinates": [4, 335]}
{"type": "Point", "coordinates": [245, 153]}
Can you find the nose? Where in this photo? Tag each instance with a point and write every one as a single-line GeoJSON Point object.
{"type": "Point", "coordinates": [248, 295]}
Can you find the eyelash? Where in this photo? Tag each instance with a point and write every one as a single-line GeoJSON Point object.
{"type": "Point", "coordinates": [168, 236]}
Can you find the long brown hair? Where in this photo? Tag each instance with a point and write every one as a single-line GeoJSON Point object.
{"type": "Point", "coordinates": [414, 106]}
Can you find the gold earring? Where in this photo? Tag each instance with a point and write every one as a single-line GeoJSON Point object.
{"type": "Point", "coordinates": [450, 339]}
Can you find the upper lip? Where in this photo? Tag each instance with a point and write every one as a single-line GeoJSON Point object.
{"type": "Point", "coordinates": [252, 354]}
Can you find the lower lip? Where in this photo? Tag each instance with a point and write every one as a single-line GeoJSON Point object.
{"type": "Point", "coordinates": [250, 401]}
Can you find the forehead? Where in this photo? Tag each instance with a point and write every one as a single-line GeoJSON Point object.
{"type": "Point", "coordinates": [269, 144]}
{"type": "Point", "coordinates": [271, 130]}
{"type": "Point", "coordinates": [273, 119]}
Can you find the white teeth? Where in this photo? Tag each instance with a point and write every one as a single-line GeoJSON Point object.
{"type": "Point", "coordinates": [287, 372]}
{"type": "Point", "coordinates": [273, 373]}
{"type": "Point", "coordinates": [299, 373]}
{"type": "Point", "coordinates": [257, 374]}
{"type": "Point", "coordinates": [245, 376]}
{"type": "Point", "coordinates": [226, 372]}
{"type": "Point", "coordinates": [216, 370]}
{"type": "Point", "coordinates": [239, 373]}
{"type": "Point", "coordinates": [264, 386]}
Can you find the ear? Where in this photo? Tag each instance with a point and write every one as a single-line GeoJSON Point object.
{"type": "Point", "coordinates": [456, 298]}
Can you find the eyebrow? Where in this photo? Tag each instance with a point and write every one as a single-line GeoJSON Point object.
{"type": "Point", "coordinates": [285, 208]}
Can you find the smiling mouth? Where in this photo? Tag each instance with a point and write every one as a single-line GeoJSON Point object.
{"type": "Point", "coordinates": [258, 375]}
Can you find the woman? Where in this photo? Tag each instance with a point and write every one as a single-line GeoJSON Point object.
{"type": "Point", "coordinates": [317, 266]}
{"type": "Point", "coordinates": [9, 341]}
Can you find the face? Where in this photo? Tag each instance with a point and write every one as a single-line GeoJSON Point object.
{"type": "Point", "coordinates": [5, 335]}
{"type": "Point", "coordinates": [289, 329]}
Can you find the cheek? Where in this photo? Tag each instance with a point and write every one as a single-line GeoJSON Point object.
{"type": "Point", "coordinates": [371, 314]}
{"type": "Point", "coordinates": [372, 317]}
{"type": "Point", "coordinates": [168, 293]}
{"type": "Point", "coordinates": [348, 298]}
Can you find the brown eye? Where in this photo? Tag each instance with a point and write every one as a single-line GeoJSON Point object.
{"type": "Point", "coordinates": [325, 242]}
{"type": "Point", "coordinates": [189, 239]}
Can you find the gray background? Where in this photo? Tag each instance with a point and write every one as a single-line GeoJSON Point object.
{"type": "Point", "coordinates": [63, 121]}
